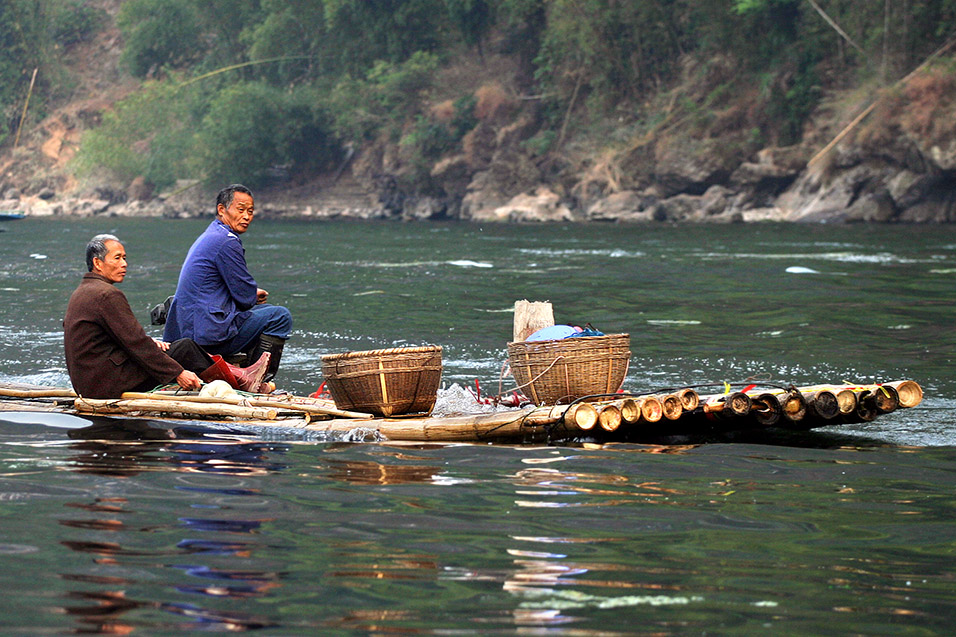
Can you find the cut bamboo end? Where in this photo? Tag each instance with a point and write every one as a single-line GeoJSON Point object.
{"type": "Point", "coordinates": [910, 393]}
{"type": "Point", "coordinates": [581, 415]}
{"type": "Point", "coordinates": [823, 404]}
{"type": "Point", "coordinates": [793, 406]}
{"type": "Point", "coordinates": [689, 398]}
{"type": "Point", "coordinates": [765, 409]}
{"type": "Point", "coordinates": [609, 417]}
{"type": "Point", "coordinates": [630, 410]}
{"type": "Point", "coordinates": [846, 400]}
{"type": "Point", "coordinates": [672, 406]}
{"type": "Point", "coordinates": [739, 403]}
{"type": "Point", "coordinates": [866, 406]}
{"type": "Point", "coordinates": [887, 398]}
{"type": "Point", "coordinates": [651, 409]}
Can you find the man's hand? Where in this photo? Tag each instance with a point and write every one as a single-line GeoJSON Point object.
{"type": "Point", "coordinates": [163, 345]}
{"type": "Point", "coordinates": [261, 296]}
{"type": "Point", "coordinates": [188, 380]}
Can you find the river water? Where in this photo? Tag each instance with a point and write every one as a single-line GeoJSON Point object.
{"type": "Point", "coordinates": [162, 531]}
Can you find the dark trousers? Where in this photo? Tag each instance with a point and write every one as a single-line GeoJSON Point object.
{"type": "Point", "coordinates": [187, 353]}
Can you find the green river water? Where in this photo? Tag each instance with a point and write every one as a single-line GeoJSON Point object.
{"type": "Point", "coordinates": [845, 530]}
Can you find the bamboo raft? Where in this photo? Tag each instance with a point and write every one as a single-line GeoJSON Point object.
{"type": "Point", "coordinates": [622, 417]}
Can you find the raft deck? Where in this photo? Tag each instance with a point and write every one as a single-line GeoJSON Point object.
{"type": "Point", "coordinates": [623, 417]}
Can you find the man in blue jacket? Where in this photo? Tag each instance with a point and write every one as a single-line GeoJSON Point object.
{"type": "Point", "coordinates": [218, 303]}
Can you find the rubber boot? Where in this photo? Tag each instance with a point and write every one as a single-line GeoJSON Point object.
{"type": "Point", "coordinates": [272, 345]}
{"type": "Point", "coordinates": [241, 378]}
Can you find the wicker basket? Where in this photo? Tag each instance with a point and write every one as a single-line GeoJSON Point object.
{"type": "Point", "coordinates": [386, 382]}
{"type": "Point", "coordinates": [551, 372]}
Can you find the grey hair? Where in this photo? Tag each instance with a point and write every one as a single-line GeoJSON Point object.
{"type": "Point", "coordinates": [96, 248]}
{"type": "Point", "coordinates": [227, 194]}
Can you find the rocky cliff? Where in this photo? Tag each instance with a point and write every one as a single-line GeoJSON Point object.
{"type": "Point", "coordinates": [894, 161]}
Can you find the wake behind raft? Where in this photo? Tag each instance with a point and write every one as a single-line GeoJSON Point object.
{"type": "Point", "coordinates": [570, 381]}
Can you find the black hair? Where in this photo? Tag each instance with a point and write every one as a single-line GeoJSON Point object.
{"type": "Point", "coordinates": [225, 195]}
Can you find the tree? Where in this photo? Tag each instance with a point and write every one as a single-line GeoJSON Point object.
{"type": "Point", "coordinates": [159, 33]}
{"type": "Point", "coordinates": [23, 47]}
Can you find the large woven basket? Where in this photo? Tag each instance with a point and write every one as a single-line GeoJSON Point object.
{"type": "Point", "coordinates": [552, 372]}
{"type": "Point", "coordinates": [386, 382]}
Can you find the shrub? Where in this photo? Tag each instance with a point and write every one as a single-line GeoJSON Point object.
{"type": "Point", "coordinates": [159, 33]}
{"type": "Point", "coordinates": [251, 128]}
{"type": "Point", "coordinates": [148, 134]}
{"type": "Point", "coordinates": [72, 21]}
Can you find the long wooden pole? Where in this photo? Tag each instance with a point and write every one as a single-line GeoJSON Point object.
{"type": "Point", "coordinates": [869, 109]}
{"type": "Point", "coordinates": [252, 402]}
{"type": "Point", "coordinates": [23, 115]}
{"type": "Point", "coordinates": [110, 406]}
{"type": "Point", "coordinates": [53, 392]}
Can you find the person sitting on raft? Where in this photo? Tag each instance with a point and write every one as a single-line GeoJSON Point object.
{"type": "Point", "coordinates": [218, 303]}
{"type": "Point", "coordinates": [108, 352]}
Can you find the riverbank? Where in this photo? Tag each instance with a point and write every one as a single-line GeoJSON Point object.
{"type": "Point", "coordinates": [698, 150]}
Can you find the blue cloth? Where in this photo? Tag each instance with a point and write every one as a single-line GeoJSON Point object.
{"type": "Point", "coordinates": [271, 320]}
{"type": "Point", "coordinates": [215, 292]}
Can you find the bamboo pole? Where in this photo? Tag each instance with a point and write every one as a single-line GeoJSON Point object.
{"type": "Point", "coordinates": [53, 392]}
{"type": "Point", "coordinates": [630, 410]}
{"type": "Point", "coordinates": [865, 411]}
{"type": "Point", "coordinates": [887, 398]}
{"type": "Point", "coordinates": [689, 399]}
{"type": "Point", "coordinates": [112, 406]}
{"type": "Point", "coordinates": [311, 409]}
{"type": "Point", "coordinates": [533, 422]}
{"type": "Point", "coordinates": [909, 392]}
{"type": "Point", "coordinates": [765, 410]}
{"type": "Point", "coordinates": [869, 109]}
{"type": "Point", "coordinates": [609, 417]}
{"type": "Point", "coordinates": [671, 406]}
{"type": "Point", "coordinates": [581, 416]}
{"type": "Point", "coordinates": [729, 405]}
{"type": "Point", "coordinates": [23, 115]}
{"type": "Point", "coordinates": [822, 404]}
{"type": "Point", "coordinates": [651, 409]}
{"type": "Point", "coordinates": [252, 401]}
{"type": "Point", "coordinates": [846, 400]}
{"type": "Point", "coordinates": [793, 406]}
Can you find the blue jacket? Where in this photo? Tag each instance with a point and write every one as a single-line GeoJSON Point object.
{"type": "Point", "coordinates": [214, 288]}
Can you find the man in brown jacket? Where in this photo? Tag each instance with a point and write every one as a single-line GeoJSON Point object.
{"type": "Point", "coordinates": [107, 350]}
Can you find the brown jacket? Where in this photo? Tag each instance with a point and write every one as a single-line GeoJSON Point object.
{"type": "Point", "coordinates": [107, 350]}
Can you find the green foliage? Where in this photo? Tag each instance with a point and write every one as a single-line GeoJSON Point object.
{"type": "Point", "coordinates": [358, 70]}
{"type": "Point", "coordinates": [362, 33]}
{"type": "Point", "coordinates": [24, 45]}
{"type": "Point", "coordinates": [464, 118]}
{"type": "Point", "coordinates": [388, 96]}
{"type": "Point", "coordinates": [540, 144]}
{"type": "Point", "coordinates": [252, 127]}
{"type": "Point", "coordinates": [72, 21]}
{"type": "Point", "coordinates": [149, 134]}
{"type": "Point", "coordinates": [472, 18]}
{"type": "Point", "coordinates": [159, 33]}
{"type": "Point", "coordinates": [427, 140]}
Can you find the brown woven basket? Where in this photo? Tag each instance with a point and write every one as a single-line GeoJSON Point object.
{"type": "Point", "coordinates": [551, 372]}
{"type": "Point", "coordinates": [386, 382]}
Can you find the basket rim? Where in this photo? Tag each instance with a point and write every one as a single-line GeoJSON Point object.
{"type": "Point", "coordinates": [570, 339]}
{"type": "Point", "coordinates": [383, 352]}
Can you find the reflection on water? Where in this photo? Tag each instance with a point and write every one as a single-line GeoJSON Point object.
{"type": "Point", "coordinates": [161, 530]}
{"type": "Point", "coordinates": [126, 450]}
